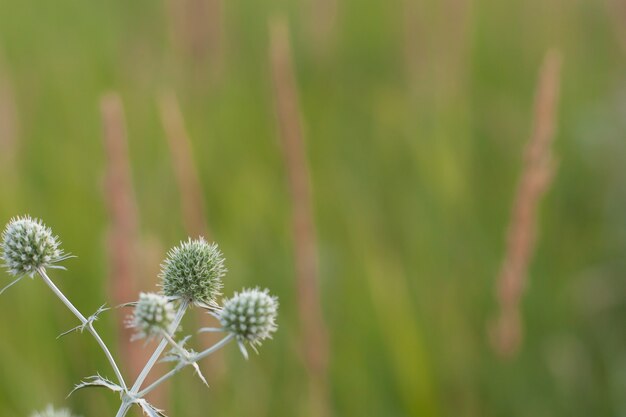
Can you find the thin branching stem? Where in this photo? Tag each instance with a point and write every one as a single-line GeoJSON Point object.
{"type": "Point", "coordinates": [180, 366]}
{"type": "Point", "coordinates": [213, 348]}
{"type": "Point", "coordinates": [157, 353]}
{"type": "Point", "coordinates": [159, 381]}
{"type": "Point", "coordinates": [123, 409]}
{"type": "Point", "coordinates": [175, 345]}
{"type": "Point", "coordinates": [85, 322]}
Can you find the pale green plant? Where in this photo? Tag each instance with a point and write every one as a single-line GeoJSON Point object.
{"type": "Point", "coordinates": [191, 276]}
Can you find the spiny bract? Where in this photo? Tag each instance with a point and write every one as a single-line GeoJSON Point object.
{"type": "Point", "coordinates": [250, 315]}
{"type": "Point", "coordinates": [153, 314]}
{"type": "Point", "coordinates": [51, 412]}
{"type": "Point", "coordinates": [193, 271]}
{"type": "Point", "coordinates": [28, 244]}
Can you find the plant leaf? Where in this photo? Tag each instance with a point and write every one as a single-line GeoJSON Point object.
{"type": "Point", "coordinates": [149, 409]}
{"type": "Point", "coordinates": [197, 369]}
{"type": "Point", "coordinates": [97, 381]}
{"type": "Point", "coordinates": [210, 330]}
{"type": "Point", "coordinates": [129, 304]}
{"type": "Point", "coordinates": [90, 320]}
{"type": "Point", "coordinates": [11, 284]}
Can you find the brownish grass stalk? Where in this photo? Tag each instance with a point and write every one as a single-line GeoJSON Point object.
{"type": "Point", "coordinates": [616, 10]}
{"type": "Point", "coordinates": [314, 339]}
{"type": "Point", "coordinates": [414, 39]}
{"type": "Point", "coordinates": [122, 209]}
{"type": "Point", "coordinates": [196, 29]}
{"type": "Point", "coordinates": [124, 254]}
{"type": "Point", "coordinates": [191, 195]}
{"type": "Point", "coordinates": [437, 42]}
{"type": "Point", "coordinates": [191, 199]}
{"type": "Point", "coordinates": [321, 20]}
{"type": "Point", "coordinates": [537, 173]}
{"type": "Point", "coordinates": [8, 123]}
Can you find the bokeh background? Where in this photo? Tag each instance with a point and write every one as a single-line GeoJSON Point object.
{"type": "Point", "coordinates": [414, 116]}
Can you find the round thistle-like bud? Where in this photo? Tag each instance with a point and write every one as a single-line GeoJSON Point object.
{"type": "Point", "coordinates": [28, 244]}
{"type": "Point", "coordinates": [193, 271]}
{"type": "Point", "coordinates": [51, 412]}
{"type": "Point", "coordinates": [153, 314]}
{"type": "Point", "coordinates": [250, 315]}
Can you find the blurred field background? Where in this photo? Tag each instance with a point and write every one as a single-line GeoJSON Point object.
{"type": "Point", "coordinates": [415, 116]}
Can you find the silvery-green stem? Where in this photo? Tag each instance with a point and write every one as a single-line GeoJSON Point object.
{"type": "Point", "coordinates": [159, 381]}
{"type": "Point", "coordinates": [180, 366]}
{"type": "Point", "coordinates": [123, 409]}
{"type": "Point", "coordinates": [175, 345]}
{"type": "Point", "coordinates": [213, 348]}
{"type": "Point", "coordinates": [84, 321]}
{"type": "Point", "coordinates": [155, 356]}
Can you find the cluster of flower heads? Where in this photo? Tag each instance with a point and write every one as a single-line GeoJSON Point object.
{"type": "Point", "coordinates": [191, 274]}
{"type": "Point", "coordinates": [27, 245]}
{"type": "Point", "coordinates": [51, 412]}
{"type": "Point", "coordinates": [153, 315]}
{"type": "Point", "coordinates": [193, 271]}
{"type": "Point", "coordinates": [250, 315]}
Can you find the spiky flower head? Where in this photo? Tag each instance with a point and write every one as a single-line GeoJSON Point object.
{"type": "Point", "coordinates": [250, 315]}
{"type": "Point", "coordinates": [153, 314]}
{"type": "Point", "coordinates": [27, 245]}
{"type": "Point", "coordinates": [193, 271]}
{"type": "Point", "coordinates": [51, 412]}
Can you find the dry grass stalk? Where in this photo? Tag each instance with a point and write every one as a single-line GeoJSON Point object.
{"type": "Point", "coordinates": [414, 39]}
{"type": "Point", "coordinates": [617, 14]}
{"type": "Point", "coordinates": [8, 123]}
{"type": "Point", "coordinates": [191, 200]}
{"type": "Point", "coordinates": [322, 18]}
{"type": "Point", "coordinates": [536, 176]}
{"type": "Point", "coordinates": [437, 46]}
{"type": "Point", "coordinates": [196, 28]}
{"type": "Point", "coordinates": [123, 235]}
{"type": "Point", "coordinates": [314, 338]}
{"type": "Point", "coordinates": [190, 189]}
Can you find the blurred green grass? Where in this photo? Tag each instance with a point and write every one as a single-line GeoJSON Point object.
{"type": "Point", "coordinates": [416, 115]}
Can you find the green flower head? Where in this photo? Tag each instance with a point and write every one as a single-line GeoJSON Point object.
{"type": "Point", "coordinates": [250, 315]}
{"type": "Point", "coordinates": [27, 245]}
{"type": "Point", "coordinates": [153, 314]}
{"type": "Point", "coordinates": [193, 271]}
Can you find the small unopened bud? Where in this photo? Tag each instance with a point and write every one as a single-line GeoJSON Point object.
{"type": "Point", "coordinates": [193, 271]}
{"type": "Point", "coordinates": [250, 315]}
{"type": "Point", "coordinates": [153, 315]}
{"type": "Point", "coordinates": [27, 245]}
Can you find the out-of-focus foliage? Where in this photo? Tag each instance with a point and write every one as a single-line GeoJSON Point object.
{"type": "Point", "coordinates": [416, 114]}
